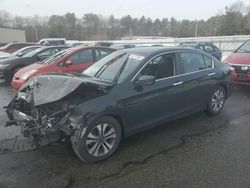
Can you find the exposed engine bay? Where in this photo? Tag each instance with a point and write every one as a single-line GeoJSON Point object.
{"type": "Point", "coordinates": [47, 115]}
{"type": "Point", "coordinates": [38, 122]}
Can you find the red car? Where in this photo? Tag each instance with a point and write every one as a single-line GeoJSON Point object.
{"type": "Point", "coordinates": [12, 47]}
{"type": "Point", "coordinates": [240, 61]}
{"type": "Point", "coordinates": [67, 61]}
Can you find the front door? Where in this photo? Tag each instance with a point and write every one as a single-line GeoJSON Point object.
{"type": "Point", "coordinates": [150, 104]}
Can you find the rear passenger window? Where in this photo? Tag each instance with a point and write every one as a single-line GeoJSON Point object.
{"type": "Point", "coordinates": [189, 62]}
{"type": "Point", "coordinates": [160, 67]}
{"type": "Point", "coordinates": [208, 62]}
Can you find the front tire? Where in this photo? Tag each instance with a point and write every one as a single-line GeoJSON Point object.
{"type": "Point", "coordinates": [98, 141]}
{"type": "Point", "coordinates": [216, 101]}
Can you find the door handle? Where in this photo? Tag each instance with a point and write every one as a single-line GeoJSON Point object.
{"type": "Point", "coordinates": [177, 83]}
{"type": "Point", "coordinates": [211, 74]}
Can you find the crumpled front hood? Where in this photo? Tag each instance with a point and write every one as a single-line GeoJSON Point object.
{"type": "Point", "coordinates": [50, 88]}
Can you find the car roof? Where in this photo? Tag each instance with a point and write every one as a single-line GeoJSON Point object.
{"type": "Point", "coordinates": [27, 47]}
{"type": "Point", "coordinates": [22, 43]}
{"type": "Point", "coordinates": [147, 51]}
{"type": "Point", "coordinates": [47, 47]}
{"type": "Point", "coordinates": [90, 47]}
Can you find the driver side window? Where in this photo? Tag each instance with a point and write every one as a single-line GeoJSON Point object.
{"type": "Point", "coordinates": [85, 56]}
{"type": "Point", "coordinates": [160, 67]}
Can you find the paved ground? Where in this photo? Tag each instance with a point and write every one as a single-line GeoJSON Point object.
{"type": "Point", "coordinates": [197, 151]}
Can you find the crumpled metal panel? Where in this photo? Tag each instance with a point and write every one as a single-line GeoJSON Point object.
{"type": "Point", "coordinates": [51, 88]}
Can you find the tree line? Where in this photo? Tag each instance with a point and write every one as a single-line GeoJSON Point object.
{"type": "Point", "coordinates": [233, 20]}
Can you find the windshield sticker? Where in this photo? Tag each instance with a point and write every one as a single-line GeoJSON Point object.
{"type": "Point", "coordinates": [136, 57]}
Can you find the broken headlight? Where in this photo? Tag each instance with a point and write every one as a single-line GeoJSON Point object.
{"type": "Point", "coordinates": [27, 75]}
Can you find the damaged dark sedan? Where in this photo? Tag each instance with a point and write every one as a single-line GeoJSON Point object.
{"type": "Point", "coordinates": [123, 93]}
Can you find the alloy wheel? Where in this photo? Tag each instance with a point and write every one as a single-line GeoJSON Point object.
{"type": "Point", "coordinates": [218, 100]}
{"type": "Point", "coordinates": [101, 139]}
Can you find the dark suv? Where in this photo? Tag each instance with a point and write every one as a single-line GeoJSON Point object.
{"type": "Point", "coordinates": [208, 47]}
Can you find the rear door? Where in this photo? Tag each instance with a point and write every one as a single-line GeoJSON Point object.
{"type": "Point", "coordinates": [195, 78]}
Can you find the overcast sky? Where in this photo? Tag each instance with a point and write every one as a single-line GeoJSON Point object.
{"type": "Point", "coordinates": [180, 9]}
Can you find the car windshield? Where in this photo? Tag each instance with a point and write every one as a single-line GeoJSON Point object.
{"type": "Point", "coordinates": [55, 57]}
{"type": "Point", "coordinates": [245, 48]}
{"type": "Point", "coordinates": [115, 67]}
{"type": "Point", "coordinates": [34, 52]}
{"type": "Point", "coordinates": [23, 51]}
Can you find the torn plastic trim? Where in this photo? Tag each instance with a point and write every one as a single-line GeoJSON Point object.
{"type": "Point", "coordinates": [20, 116]}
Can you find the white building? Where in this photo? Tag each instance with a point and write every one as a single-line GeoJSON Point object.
{"type": "Point", "coordinates": [12, 35]}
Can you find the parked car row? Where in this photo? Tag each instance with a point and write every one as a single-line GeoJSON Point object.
{"type": "Point", "coordinates": [10, 63]}
{"type": "Point", "coordinates": [9, 66]}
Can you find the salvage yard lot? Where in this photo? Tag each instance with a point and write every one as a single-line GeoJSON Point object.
{"type": "Point", "coordinates": [196, 151]}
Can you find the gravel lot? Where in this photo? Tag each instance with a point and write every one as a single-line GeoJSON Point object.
{"type": "Point", "coordinates": [196, 151]}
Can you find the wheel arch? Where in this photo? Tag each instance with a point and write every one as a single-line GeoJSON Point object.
{"type": "Point", "coordinates": [224, 86]}
{"type": "Point", "coordinates": [119, 119]}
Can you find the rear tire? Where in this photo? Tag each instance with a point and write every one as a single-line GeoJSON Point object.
{"type": "Point", "coordinates": [98, 141]}
{"type": "Point", "coordinates": [216, 101]}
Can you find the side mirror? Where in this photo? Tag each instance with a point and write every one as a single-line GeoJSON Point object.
{"type": "Point", "coordinates": [145, 80]}
{"type": "Point", "coordinates": [68, 63]}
